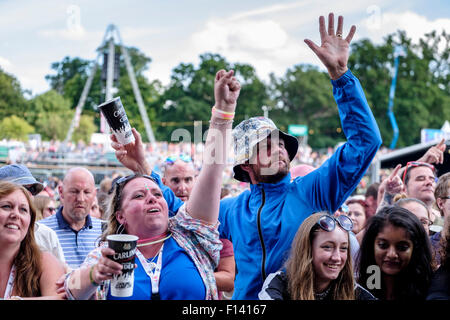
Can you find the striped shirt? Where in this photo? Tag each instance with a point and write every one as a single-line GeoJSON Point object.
{"type": "Point", "coordinates": [75, 244]}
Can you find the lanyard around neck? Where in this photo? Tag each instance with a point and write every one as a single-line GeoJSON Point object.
{"type": "Point", "coordinates": [10, 284]}
{"type": "Point", "coordinates": [152, 270]}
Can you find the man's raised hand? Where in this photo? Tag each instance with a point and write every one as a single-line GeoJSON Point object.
{"type": "Point", "coordinates": [334, 49]}
{"type": "Point", "coordinates": [226, 90]}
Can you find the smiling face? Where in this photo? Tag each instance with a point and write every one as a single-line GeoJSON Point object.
{"type": "Point", "coordinates": [393, 249]}
{"type": "Point", "coordinates": [144, 211]}
{"type": "Point", "coordinates": [15, 217]}
{"type": "Point", "coordinates": [270, 162]}
{"type": "Point", "coordinates": [329, 253]}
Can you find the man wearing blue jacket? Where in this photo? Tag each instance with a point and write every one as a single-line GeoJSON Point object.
{"type": "Point", "coordinates": [262, 222]}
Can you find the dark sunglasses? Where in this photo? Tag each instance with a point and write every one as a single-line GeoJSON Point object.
{"type": "Point", "coordinates": [32, 189]}
{"type": "Point", "coordinates": [124, 180]}
{"type": "Point", "coordinates": [328, 222]}
{"type": "Point", "coordinates": [417, 164]}
{"type": "Point", "coordinates": [182, 157]}
{"type": "Point", "coordinates": [121, 182]}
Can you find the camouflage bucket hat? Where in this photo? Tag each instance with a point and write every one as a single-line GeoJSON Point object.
{"type": "Point", "coordinates": [248, 134]}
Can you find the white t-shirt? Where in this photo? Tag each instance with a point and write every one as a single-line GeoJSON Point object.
{"type": "Point", "coordinates": [47, 240]}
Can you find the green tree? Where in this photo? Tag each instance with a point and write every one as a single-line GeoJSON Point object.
{"type": "Point", "coordinates": [16, 128]}
{"type": "Point", "coordinates": [85, 129]}
{"type": "Point", "coordinates": [304, 96]}
{"type": "Point", "coordinates": [422, 93]}
{"type": "Point", "coordinates": [190, 95]}
{"type": "Point", "coordinates": [71, 75]}
{"type": "Point", "coordinates": [12, 101]}
{"type": "Point", "coordinates": [51, 115]}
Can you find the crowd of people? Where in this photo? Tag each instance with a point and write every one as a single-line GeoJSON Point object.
{"type": "Point", "coordinates": [291, 230]}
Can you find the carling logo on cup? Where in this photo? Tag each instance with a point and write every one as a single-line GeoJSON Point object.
{"type": "Point", "coordinates": [127, 246]}
{"type": "Point", "coordinates": [125, 255]}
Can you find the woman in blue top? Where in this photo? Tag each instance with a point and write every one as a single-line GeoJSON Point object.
{"type": "Point", "coordinates": [176, 256]}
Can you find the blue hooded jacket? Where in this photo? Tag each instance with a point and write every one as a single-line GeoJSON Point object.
{"type": "Point", "coordinates": [262, 222]}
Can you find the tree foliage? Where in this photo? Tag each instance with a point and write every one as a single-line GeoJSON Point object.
{"type": "Point", "coordinates": [303, 95]}
{"type": "Point", "coordinates": [12, 101]}
{"type": "Point", "coordinates": [51, 115]}
{"type": "Point", "coordinates": [190, 95]}
{"type": "Point", "coordinates": [422, 93]}
{"type": "Point", "coordinates": [72, 75]}
{"type": "Point", "coordinates": [85, 129]}
{"type": "Point", "coordinates": [15, 128]}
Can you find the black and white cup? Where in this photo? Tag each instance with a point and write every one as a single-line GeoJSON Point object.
{"type": "Point", "coordinates": [124, 246]}
{"type": "Point", "coordinates": [117, 119]}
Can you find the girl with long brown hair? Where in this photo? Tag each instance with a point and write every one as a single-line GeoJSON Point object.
{"type": "Point", "coordinates": [25, 271]}
{"type": "Point", "coordinates": [319, 266]}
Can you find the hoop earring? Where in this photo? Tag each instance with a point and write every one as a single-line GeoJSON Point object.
{"type": "Point", "coordinates": [120, 229]}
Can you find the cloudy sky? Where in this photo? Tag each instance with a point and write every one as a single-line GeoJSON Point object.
{"type": "Point", "coordinates": [267, 34]}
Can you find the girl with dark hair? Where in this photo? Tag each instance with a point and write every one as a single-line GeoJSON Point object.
{"type": "Point", "coordinates": [397, 245]}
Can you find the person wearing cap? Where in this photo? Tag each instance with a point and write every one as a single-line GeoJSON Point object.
{"type": "Point", "coordinates": [19, 174]}
{"type": "Point", "coordinates": [45, 237]}
{"type": "Point", "coordinates": [262, 222]}
{"type": "Point", "coordinates": [77, 231]}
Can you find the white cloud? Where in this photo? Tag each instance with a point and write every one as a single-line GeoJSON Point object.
{"type": "Point", "coordinates": [75, 34]}
{"type": "Point", "coordinates": [5, 64]}
{"type": "Point", "coordinates": [270, 38]}
{"type": "Point", "coordinates": [415, 25]}
{"type": "Point", "coordinates": [263, 43]}
{"type": "Point", "coordinates": [130, 33]}
{"type": "Point", "coordinates": [270, 9]}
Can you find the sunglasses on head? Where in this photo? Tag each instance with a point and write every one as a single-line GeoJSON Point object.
{"type": "Point", "coordinates": [182, 157]}
{"type": "Point", "coordinates": [32, 189]}
{"type": "Point", "coordinates": [122, 181]}
{"type": "Point", "coordinates": [328, 222]}
{"type": "Point", "coordinates": [344, 209]}
{"type": "Point", "coordinates": [417, 164]}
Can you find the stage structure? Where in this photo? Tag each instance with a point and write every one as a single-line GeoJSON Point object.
{"type": "Point", "coordinates": [112, 71]}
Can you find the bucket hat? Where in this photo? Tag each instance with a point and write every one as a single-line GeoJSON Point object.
{"type": "Point", "coordinates": [247, 134]}
{"type": "Point", "coordinates": [20, 174]}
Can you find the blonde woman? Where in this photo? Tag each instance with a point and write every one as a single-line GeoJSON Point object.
{"type": "Point", "coordinates": [319, 266]}
{"type": "Point", "coordinates": [45, 207]}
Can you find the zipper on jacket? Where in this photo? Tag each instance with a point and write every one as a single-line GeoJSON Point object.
{"type": "Point", "coordinates": [261, 240]}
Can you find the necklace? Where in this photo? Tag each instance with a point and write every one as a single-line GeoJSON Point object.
{"type": "Point", "coordinates": [152, 263]}
{"type": "Point", "coordinates": [322, 295]}
{"type": "Point", "coordinates": [144, 244]}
